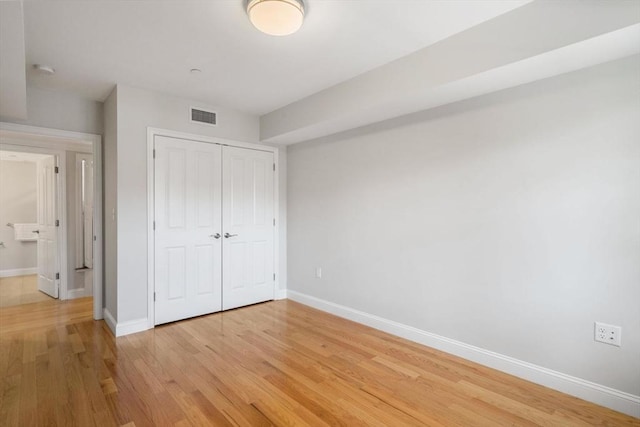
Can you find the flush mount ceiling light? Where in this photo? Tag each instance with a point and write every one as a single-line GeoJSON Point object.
{"type": "Point", "coordinates": [276, 17]}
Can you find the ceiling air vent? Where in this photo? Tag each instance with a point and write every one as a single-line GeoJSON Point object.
{"type": "Point", "coordinates": [203, 116]}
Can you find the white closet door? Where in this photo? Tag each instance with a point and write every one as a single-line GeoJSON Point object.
{"type": "Point", "coordinates": [188, 226]}
{"type": "Point", "coordinates": [248, 238]}
{"type": "Point", "coordinates": [47, 231]}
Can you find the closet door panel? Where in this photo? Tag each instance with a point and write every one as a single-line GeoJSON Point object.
{"type": "Point", "coordinates": [187, 197]}
{"type": "Point", "coordinates": [248, 213]}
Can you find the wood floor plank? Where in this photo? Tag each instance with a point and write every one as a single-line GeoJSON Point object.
{"type": "Point", "coordinates": [366, 402]}
{"type": "Point", "coordinates": [10, 400]}
{"type": "Point", "coordinates": [45, 394]}
{"type": "Point", "coordinates": [20, 290]}
{"type": "Point", "coordinates": [28, 396]}
{"type": "Point", "coordinates": [316, 399]}
{"type": "Point", "coordinates": [278, 363]}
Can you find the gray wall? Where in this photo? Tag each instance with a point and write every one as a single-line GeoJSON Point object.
{"type": "Point", "coordinates": [61, 110]}
{"type": "Point", "coordinates": [282, 238]}
{"type": "Point", "coordinates": [110, 182]}
{"type": "Point", "coordinates": [18, 203]}
{"type": "Point", "coordinates": [509, 222]}
{"type": "Point", "coordinates": [137, 109]}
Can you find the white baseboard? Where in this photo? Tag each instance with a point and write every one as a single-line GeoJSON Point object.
{"type": "Point", "coordinates": [131, 327]}
{"type": "Point", "coordinates": [111, 322]}
{"type": "Point", "coordinates": [76, 293]}
{"type": "Point", "coordinates": [281, 294]}
{"type": "Point", "coordinates": [125, 328]}
{"type": "Point", "coordinates": [587, 390]}
{"type": "Point", "coordinates": [18, 272]}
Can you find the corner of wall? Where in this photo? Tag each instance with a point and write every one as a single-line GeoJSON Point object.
{"type": "Point", "coordinates": [110, 168]}
{"type": "Point", "coordinates": [125, 328]}
{"type": "Point", "coordinates": [109, 320]}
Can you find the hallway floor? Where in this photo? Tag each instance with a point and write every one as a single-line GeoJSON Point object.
{"type": "Point", "coordinates": [20, 290]}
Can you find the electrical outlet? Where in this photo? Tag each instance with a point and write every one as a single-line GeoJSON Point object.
{"type": "Point", "coordinates": [319, 272]}
{"type": "Point", "coordinates": [608, 334]}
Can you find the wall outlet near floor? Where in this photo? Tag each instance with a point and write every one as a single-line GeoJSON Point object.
{"type": "Point", "coordinates": [608, 334]}
{"type": "Point", "coordinates": [319, 272]}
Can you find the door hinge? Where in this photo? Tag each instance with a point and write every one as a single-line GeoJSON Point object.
{"type": "Point", "coordinates": [56, 169]}
{"type": "Point", "coordinates": [154, 226]}
{"type": "Point", "coordinates": [57, 223]}
{"type": "Point", "coordinates": [154, 153]}
{"type": "Point", "coordinates": [274, 277]}
{"type": "Point", "coordinates": [274, 222]}
{"type": "Point", "coordinates": [274, 167]}
{"type": "Point", "coordinates": [154, 296]}
{"type": "Point", "coordinates": [57, 276]}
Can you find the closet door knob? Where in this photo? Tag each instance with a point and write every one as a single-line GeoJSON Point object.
{"type": "Point", "coordinates": [227, 235]}
{"type": "Point", "coordinates": [215, 236]}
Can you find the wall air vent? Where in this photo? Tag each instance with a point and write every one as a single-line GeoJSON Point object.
{"type": "Point", "coordinates": [203, 116]}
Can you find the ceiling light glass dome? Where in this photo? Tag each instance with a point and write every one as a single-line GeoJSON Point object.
{"type": "Point", "coordinates": [276, 17]}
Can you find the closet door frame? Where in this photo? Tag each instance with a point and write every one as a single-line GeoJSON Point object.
{"type": "Point", "coordinates": [151, 134]}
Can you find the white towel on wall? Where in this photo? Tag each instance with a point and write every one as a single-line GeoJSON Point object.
{"type": "Point", "coordinates": [25, 232]}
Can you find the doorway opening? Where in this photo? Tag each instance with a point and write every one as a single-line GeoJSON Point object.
{"type": "Point", "coordinates": [28, 256]}
{"type": "Point", "coordinates": [50, 217]}
{"type": "Point", "coordinates": [30, 240]}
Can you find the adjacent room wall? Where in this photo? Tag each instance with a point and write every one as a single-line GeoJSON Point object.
{"type": "Point", "coordinates": [18, 204]}
{"type": "Point", "coordinates": [510, 222]}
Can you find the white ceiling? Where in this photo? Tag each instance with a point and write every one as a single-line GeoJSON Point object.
{"type": "Point", "coordinates": [153, 44]}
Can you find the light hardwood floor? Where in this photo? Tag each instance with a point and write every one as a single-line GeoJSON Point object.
{"type": "Point", "coordinates": [20, 290]}
{"type": "Point", "coordinates": [278, 363]}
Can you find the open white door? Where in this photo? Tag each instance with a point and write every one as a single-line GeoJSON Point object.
{"type": "Point", "coordinates": [187, 229]}
{"type": "Point", "coordinates": [48, 276]}
{"type": "Point", "coordinates": [248, 218]}
{"type": "Point", "coordinates": [84, 211]}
